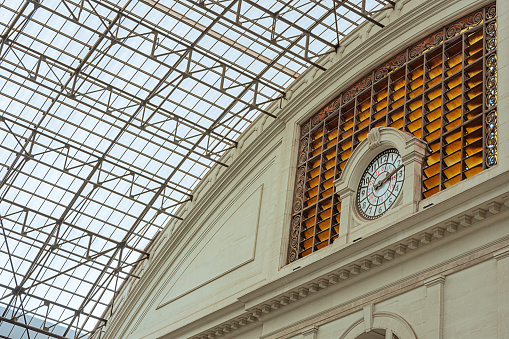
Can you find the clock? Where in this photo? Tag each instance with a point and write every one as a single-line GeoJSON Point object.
{"type": "Point", "coordinates": [380, 184]}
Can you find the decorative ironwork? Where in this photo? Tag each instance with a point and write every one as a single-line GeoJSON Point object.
{"type": "Point", "coordinates": [443, 91]}
{"type": "Point", "coordinates": [294, 239]}
{"type": "Point", "coordinates": [491, 89]}
{"type": "Point", "coordinates": [390, 66]}
{"type": "Point", "coordinates": [303, 150]}
{"type": "Point", "coordinates": [299, 189]}
{"type": "Point", "coordinates": [318, 118]}
{"type": "Point", "coordinates": [491, 12]}
{"type": "Point", "coordinates": [305, 128]}
{"type": "Point", "coordinates": [356, 89]}
{"type": "Point", "coordinates": [430, 42]}
{"type": "Point", "coordinates": [467, 22]}
{"type": "Point", "coordinates": [491, 81]}
{"type": "Point", "coordinates": [491, 139]}
{"type": "Point", "coordinates": [491, 43]}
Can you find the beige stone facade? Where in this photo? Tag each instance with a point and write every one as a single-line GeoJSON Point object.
{"type": "Point", "coordinates": [437, 269]}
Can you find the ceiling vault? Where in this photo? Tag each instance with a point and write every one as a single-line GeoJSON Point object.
{"type": "Point", "coordinates": [111, 112]}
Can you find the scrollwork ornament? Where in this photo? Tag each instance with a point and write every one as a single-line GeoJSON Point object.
{"type": "Point", "coordinates": [491, 44]}
{"type": "Point", "coordinates": [352, 92]}
{"type": "Point", "coordinates": [297, 205]}
{"type": "Point", "coordinates": [491, 60]}
{"type": "Point", "coordinates": [299, 189]}
{"type": "Point", "coordinates": [331, 107]}
{"type": "Point", "coordinates": [381, 73]}
{"type": "Point", "coordinates": [491, 81]}
{"type": "Point", "coordinates": [491, 29]}
{"type": "Point", "coordinates": [336, 104]}
{"type": "Point", "coordinates": [389, 67]}
{"type": "Point", "coordinates": [470, 21]}
{"type": "Point", "coordinates": [474, 20]}
{"type": "Point", "coordinates": [464, 23]}
{"type": "Point", "coordinates": [452, 31]}
{"type": "Point", "coordinates": [491, 12]}
{"type": "Point", "coordinates": [347, 97]}
{"type": "Point", "coordinates": [491, 138]}
{"type": "Point", "coordinates": [430, 42]}
{"type": "Point", "coordinates": [305, 129]}
{"type": "Point", "coordinates": [294, 239]}
{"type": "Point", "coordinates": [318, 118]}
{"type": "Point", "coordinates": [303, 150]}
{"type": "Point", "coordinates": [436, 39]}
{"type": "Point", "coordinates": [491, 98]}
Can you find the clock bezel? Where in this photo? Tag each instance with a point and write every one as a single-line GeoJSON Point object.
{"type": "Point", "coordinates": [395, 203]}
{"type": "Point", "coordinates": [412, 151]}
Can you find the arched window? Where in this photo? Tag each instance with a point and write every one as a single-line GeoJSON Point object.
{"type": "Point", "coordinates": [442, 90]}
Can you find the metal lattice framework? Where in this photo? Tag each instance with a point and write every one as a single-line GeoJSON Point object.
{"type": "Point", "coordinates": [111, 112]}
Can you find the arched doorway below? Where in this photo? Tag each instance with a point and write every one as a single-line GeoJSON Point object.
{"type": "Point", "coordinates": [377, 334]}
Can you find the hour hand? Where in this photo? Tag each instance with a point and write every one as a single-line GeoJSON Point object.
{"type": "Point", "coordinates": [387, 177]}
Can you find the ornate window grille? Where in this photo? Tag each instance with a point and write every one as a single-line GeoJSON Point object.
{"type": "Point", "coordinates": [442, 89]}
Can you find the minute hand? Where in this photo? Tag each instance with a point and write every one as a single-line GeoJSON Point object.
{"type": "Point", "coordinates": [380, 183]}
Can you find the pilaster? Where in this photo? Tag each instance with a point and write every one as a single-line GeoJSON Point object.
{"type": "Point", "coordinates": [310, 333]}
{"type": "Point", "coordinates": [502, 258]}
{"type": "Point", "coordinates": [434, 307]}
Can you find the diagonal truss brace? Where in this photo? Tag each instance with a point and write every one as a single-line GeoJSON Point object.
{"type": "Point", "coordinates": [362, 10]}
{"type": "Point", "coordinates": [270, 41]}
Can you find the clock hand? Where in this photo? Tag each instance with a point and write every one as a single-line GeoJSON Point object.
{"type": "Point", "coordinates": [381, 182]}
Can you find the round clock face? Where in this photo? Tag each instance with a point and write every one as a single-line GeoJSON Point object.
{"type": "Point", "coordinates": [380, 184]}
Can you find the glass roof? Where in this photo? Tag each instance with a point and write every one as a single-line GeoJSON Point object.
{"type": "Point", "coordinates": [110, 113]}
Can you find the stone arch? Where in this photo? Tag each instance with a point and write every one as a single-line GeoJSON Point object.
{"type": "Point", "coordinates": [381, 320]}
{"type": "Point", "coordinates": [378, 140]}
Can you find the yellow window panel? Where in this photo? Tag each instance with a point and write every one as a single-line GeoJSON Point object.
{"type": "Point", "coordinates": [475, 37]}
{"type": "Point", "coordinates": [346, 154]}
{"type": "Point", "coordinates": [432, 182]}
{"type": "Point", "coordinates": [452, 181]}
{"type": "Point", "coordinates": [311, 201]}
{"type": "Point", "coordinates": [473, 149]}
{"type": "Point", "coordinates": [414, 126]}
{"type": "Point", "coordinates": [433, 158]}
{"type": "Point", "coordinates": [416, 109]}
{"type": "Point", "coordinates": [397, 124]}
{"type": "Point", "coordinates": [453, 171]}
{"type": "Point", "coordinates": [326, 214]}
{"type": "Point", "coordinates": [473, 171]}
{"type": "Point", "coordinates": [453, 136]}
{"type": "Point", "coordinates": [474, 160]}
{"type": "Point", "coordinates": [327, 193]}
{"type": "Point", "coordinates": [432, 170]}
{"type": "Point", "coordinates": [381, 95]}
{"type": "Point", "coordinates": [308, 243]}
{"type": "Point", "coordinates": [323, 235]}
{"type": "Point", "coordinates": [431, 192]}
{"type": "Point", "coordinates": [452, 147]}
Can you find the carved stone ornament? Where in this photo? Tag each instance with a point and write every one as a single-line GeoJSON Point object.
{"type": "Point", "coordinates": [412, 151]}
{"type": "Point", "coordinates": [374, 138]}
